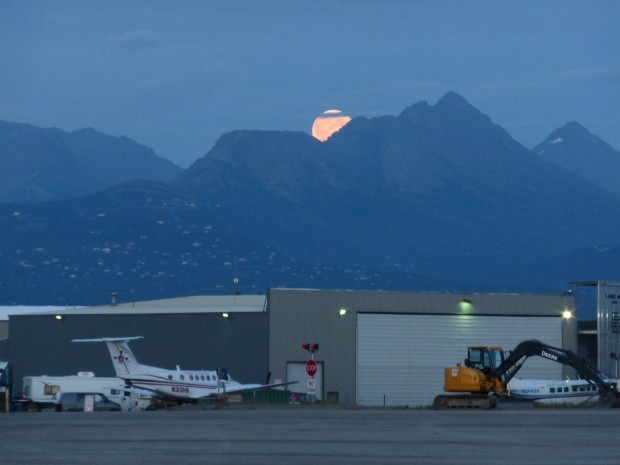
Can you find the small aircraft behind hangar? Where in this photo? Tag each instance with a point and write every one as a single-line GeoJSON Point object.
{"type": "Point", "coordinates": [182, 385]}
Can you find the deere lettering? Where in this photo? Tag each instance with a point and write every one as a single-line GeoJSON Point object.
{"type": "Point", "coordinates": [548, 355]}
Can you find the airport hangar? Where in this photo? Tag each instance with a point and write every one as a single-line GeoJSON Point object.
{"type": "Point", "coordinates": [375, 348]}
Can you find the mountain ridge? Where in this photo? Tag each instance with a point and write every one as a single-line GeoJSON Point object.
{"type": "Point", "coordinates": [447, 163]}
{"type": "Point", "coordinates": [39, 164]}
{"type": "Point", "coordinates": [438, 198]}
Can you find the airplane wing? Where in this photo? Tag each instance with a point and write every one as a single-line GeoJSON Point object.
{"type": "Point", "coordinates": [109, 339]}
{"type": "Point", "coordinates": [254, 387]}
{"type": "Point", "coordinates": [269, 386]}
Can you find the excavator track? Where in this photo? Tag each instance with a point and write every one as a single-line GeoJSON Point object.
{"type": "Point", "coordinates": [466, 401]}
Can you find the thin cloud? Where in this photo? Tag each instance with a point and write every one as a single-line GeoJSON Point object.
{"type": "Point", "coordinates": [609, 72]}
{"type": "Point", "coordinates": [138, 40]}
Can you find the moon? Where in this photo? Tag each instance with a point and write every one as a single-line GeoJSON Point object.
{"type": "Point", "coordinates": [327, 123]}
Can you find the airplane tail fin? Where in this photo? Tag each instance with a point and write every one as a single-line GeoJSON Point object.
{"type": "Point", "coordinates": [123, 359]}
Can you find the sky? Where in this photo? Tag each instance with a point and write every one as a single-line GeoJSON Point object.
{"type": "Point", "coordinates": [177, 75]}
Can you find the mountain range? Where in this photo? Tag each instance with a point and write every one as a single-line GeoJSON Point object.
{"type": "Point", "coordinates": [39, 164]}
{"type": "Point", "coordinates": [438, 198]}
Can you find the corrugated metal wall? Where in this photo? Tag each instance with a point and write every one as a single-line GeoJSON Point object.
{"type": "Point", "coordinates": [608, 322]}
{"type": "Point", "coordinates": [300, 316]}
{"type": "Point", "coordinates": [400, 358]}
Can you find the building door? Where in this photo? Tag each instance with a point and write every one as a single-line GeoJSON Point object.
{"type": "Point", "coordinates": [296, 371]}
{"type": "Point", "coordinates": [401, 358]}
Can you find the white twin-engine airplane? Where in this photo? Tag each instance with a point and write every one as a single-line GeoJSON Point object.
{"type": "Point", "coordinates": [553, 391]}
{"type": "Point", "coordinates": [179, 384]}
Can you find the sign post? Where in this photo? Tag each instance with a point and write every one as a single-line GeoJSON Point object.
{"type": "Point", "coordinates": [311, 369]}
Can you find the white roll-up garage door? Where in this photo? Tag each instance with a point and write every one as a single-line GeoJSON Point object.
{"type": "Point", "coordinates": [401, 358]}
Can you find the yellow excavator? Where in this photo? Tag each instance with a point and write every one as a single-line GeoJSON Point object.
{"type": "Point", "coordinates": [488, 371]}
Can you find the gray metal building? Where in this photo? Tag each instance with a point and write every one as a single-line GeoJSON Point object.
{"type": "Point", "coordinates": [8, 310]}
{"type": "Point", "coordinates": [375, 348]}
{"type": "Point", "coordinates": [390, 348]}
{"type": "Point", "coordinates": [189, 331]}
{"type": "Point", "coordinates": [608, 326]}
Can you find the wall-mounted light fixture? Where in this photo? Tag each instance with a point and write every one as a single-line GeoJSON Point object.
{"type": "Point", "coordinates": [58, 317]}
{"type": "Point", "coordinates": [225, 315]}
{"type": "Point", "coordinates": [342, 312]}
{"type": "Point", "coordinates": [465, 305]}
{"type": "Point", "coordinates": [567, 314]}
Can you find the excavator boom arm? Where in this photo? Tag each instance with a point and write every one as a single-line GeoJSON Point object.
{"type": "Point", "coordinates": [511, 365]}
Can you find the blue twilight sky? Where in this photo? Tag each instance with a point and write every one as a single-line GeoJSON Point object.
{"type": "Point", "coordinates": [176, 75]}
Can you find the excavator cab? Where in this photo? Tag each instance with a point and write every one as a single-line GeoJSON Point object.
{"type": "Point", "coordinates": [484, 359]}
{"type": "Point", "coordinates": [475, 375]}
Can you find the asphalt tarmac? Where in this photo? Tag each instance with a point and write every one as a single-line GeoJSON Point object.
{"type": "Point", "coordinates": [312, 435]}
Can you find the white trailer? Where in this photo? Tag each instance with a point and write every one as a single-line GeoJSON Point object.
{"type": "Point", "coordinates": [42, 392]}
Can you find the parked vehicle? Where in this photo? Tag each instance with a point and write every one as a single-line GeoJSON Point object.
{"type": "Point", "coordinates": [6, 386]}
{"type": "Point", "coordinates": [41, 392]}
{"type": "Point", "coordinates": [84, 401]}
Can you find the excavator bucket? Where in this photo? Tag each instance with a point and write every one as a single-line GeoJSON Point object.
{"type": "Point", "coordinates": [608, 399]}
